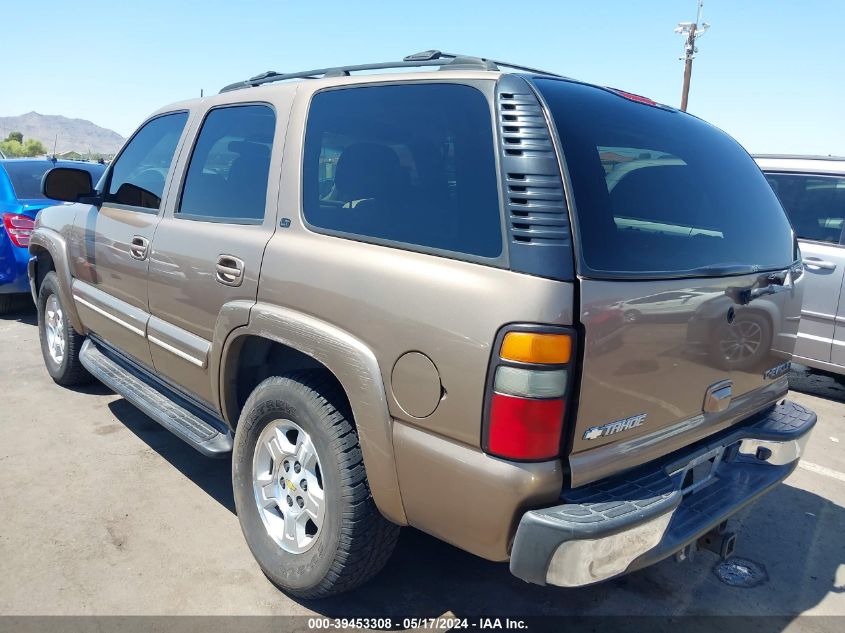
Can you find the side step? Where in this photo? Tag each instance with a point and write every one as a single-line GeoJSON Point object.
{"type": "Point", "coordinates": [176, 418]}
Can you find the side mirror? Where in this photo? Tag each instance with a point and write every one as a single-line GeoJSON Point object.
{"type": "Point", "coordinates": [68, 185]}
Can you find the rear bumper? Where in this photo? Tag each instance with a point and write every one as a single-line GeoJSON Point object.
{"type": "Point", "coordinates": [624, 523]}
{"type": "Point", "coordinates": [13, 262]}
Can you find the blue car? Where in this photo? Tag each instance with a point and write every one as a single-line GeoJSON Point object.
{"type": "Point", "coordinates": [20, 201]}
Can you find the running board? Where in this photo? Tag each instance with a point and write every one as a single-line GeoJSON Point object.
{"type": "Point", "coordinates": [176, 418]}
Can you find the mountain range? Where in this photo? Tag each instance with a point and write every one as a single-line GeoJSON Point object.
{"type": "Point", "coordinates": [68, 135]}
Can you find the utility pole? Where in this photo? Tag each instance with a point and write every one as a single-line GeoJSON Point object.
{"type": "Point", "coordinates": [689, 49]}
{"type": "Point", "coordinates": [692, 31]}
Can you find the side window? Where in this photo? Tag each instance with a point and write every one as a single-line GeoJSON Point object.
{"type": "Point", "coordinates": [227, 175]}
{"type": "Point", "coordinates": [138, 176]}
{"type": "Point", "coordinates": [815, 204]}
{"type": "Point", "coordinates": [411, 164]}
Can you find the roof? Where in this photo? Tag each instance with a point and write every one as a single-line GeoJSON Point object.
{"type": "Point", "coordinates": [272, 92]}
{"type": "Point", "coordinates": [429, 58]}
{"type": "Point", "coordinates": [800, 156]}
{"type": "Point", "coordinates": [54, 163]}
{"type": "Point", "coordinates": [801, 164]}
{"type": "Point", "coordinates": [275, 87]}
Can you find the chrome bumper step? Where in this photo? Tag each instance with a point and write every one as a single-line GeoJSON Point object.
{"type": "Point", "coordinates": [640, 517]}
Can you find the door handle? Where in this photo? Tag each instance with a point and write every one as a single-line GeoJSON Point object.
{"type": "Point", "coordinates": [139, 247]}
{"type": "Point", "coordinates": [819, 263]}
{"type": "Point", "coordinates": [230, 270]}
{"type": "Point", "coordinates": [717, 398]}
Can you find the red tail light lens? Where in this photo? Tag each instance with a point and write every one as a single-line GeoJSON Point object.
{"type": "Point", "coordinates": [527, 388]}
{"type": "Point", "coordinates": [19, 228]}
{"type": "Point", "coordinates": [525, 429]}
{"type": "Point", "coordinates": [632, 97]}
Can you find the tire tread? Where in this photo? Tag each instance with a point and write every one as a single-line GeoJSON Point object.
{"type": "Point", "coordinates": [74, 373]}
{"type": "Point", "coordinates": [367, 539]}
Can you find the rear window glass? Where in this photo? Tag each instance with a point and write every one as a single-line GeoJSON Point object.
{"type": "Point", "coordinates": [412, 164]}
{"type": "Point", "coordinates": [659, 193]}
{"type": "Point", "coordinates": [26, 175]}
{"type": "Point", "coordinates": [815, 204]}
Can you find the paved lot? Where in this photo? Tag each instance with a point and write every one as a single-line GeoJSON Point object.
{"type": "Point", "coordinates": [104, 512]}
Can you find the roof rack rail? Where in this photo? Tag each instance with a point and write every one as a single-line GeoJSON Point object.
{"type": "Point", "coordinates": [458, 59]}
{"type": "Point", "coordinates": [446, 61]}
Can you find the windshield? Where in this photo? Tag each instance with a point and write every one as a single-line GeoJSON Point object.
{"type": "Point", "coordinates": [26, 175]}
{"type": "Point", "coordinates": [662, 194]}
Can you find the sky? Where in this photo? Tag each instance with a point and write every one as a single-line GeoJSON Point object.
{"type": "Point", "coordinates": [769, 73]}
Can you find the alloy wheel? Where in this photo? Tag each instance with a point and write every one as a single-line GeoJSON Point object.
{"type": "Point", "coordinates": [743, 341]}
{"type": "Point", "coordinates": [54, 326]}
{"type": "Point", "coordinates": [288, 486]}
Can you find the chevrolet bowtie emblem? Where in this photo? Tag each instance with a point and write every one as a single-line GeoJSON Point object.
{"type": "Point", "coordinates": [611, 428]}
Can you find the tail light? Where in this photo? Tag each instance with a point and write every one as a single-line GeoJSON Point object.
{"type": "Point", "coordinates": [632, 97]}
{"type": "Point", "coordinates": [525, 403]}
{"type": "Point", "coordinates": [19, 228]}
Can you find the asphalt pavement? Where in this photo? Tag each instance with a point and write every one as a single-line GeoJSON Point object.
{"type": "Point", "coordinates": [103, 512]}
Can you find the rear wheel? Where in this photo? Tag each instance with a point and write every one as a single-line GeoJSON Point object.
{"type": "Point", "coordinates": [301, 491]}
{"type": "Point", "coordinates": [744, 342]}
{"type": "Point", "coordinates": [12, 302]}
{"type": "Point", "coordinates": [6, 303]}
{"type": "Point", "coordinates": [60, 343]}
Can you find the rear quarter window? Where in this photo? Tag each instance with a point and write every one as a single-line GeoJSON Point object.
{"type": "Point", "coordinates": [660, 193]}
{"type": "Point", "coordinates": [404, 164]}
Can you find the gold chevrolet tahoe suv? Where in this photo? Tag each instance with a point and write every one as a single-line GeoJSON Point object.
{"type": "Point", "coordinates": [545, 321]}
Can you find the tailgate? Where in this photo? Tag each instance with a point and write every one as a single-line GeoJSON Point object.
{"type": "Point", "coordinates": [669, 362]}
{"type": "Point", "coordinates": [689, 293]}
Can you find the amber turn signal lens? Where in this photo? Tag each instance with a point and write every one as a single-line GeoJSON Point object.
{"type": "Point", "coordinates": [529, 347]}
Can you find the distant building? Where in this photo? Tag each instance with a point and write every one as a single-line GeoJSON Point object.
{"type": "Point", "coordinates": [93, 157]}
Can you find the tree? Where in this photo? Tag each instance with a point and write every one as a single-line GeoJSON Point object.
{"type": "Point", "coordinates": [34, 148]}
{"type": "Point", "coordinates": [15, 136]}
{"type": "Point", "coordinates": [13, 148]}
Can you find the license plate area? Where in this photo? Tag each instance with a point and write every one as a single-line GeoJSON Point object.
{"type": "Point", "coordinates": [698, 472]}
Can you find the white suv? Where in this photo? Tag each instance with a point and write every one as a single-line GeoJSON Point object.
{"type": "Point", "coordinates": [812, 190]}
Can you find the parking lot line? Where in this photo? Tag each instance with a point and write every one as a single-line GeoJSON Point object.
{"type": "Point", "coordinates": [821, 470]}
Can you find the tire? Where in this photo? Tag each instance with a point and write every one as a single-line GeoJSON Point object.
{"type": "Point", "coordinates": [630, 316]}
{"type": "Point", "coordinates": [754, 330]}
{"type": "Point", "coordinates": [353, 541]}
{"type": "Point", "coordinates": [12, 303]}
{"type": "Point", "coordinates": [64, 369]}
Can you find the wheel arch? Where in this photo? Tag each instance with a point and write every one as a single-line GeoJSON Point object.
{"type": "Point", "coordinates": [292, 340]}
{"type": "Point", "coordinates": [50, 248]}
{"type": "Point", "coordinates": [40, 263]}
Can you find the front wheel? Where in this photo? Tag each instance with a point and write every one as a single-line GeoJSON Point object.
{"type": "Point", "coordinates": [60, 343]}
{"type": "Point", "coordinates": [301, 491]}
